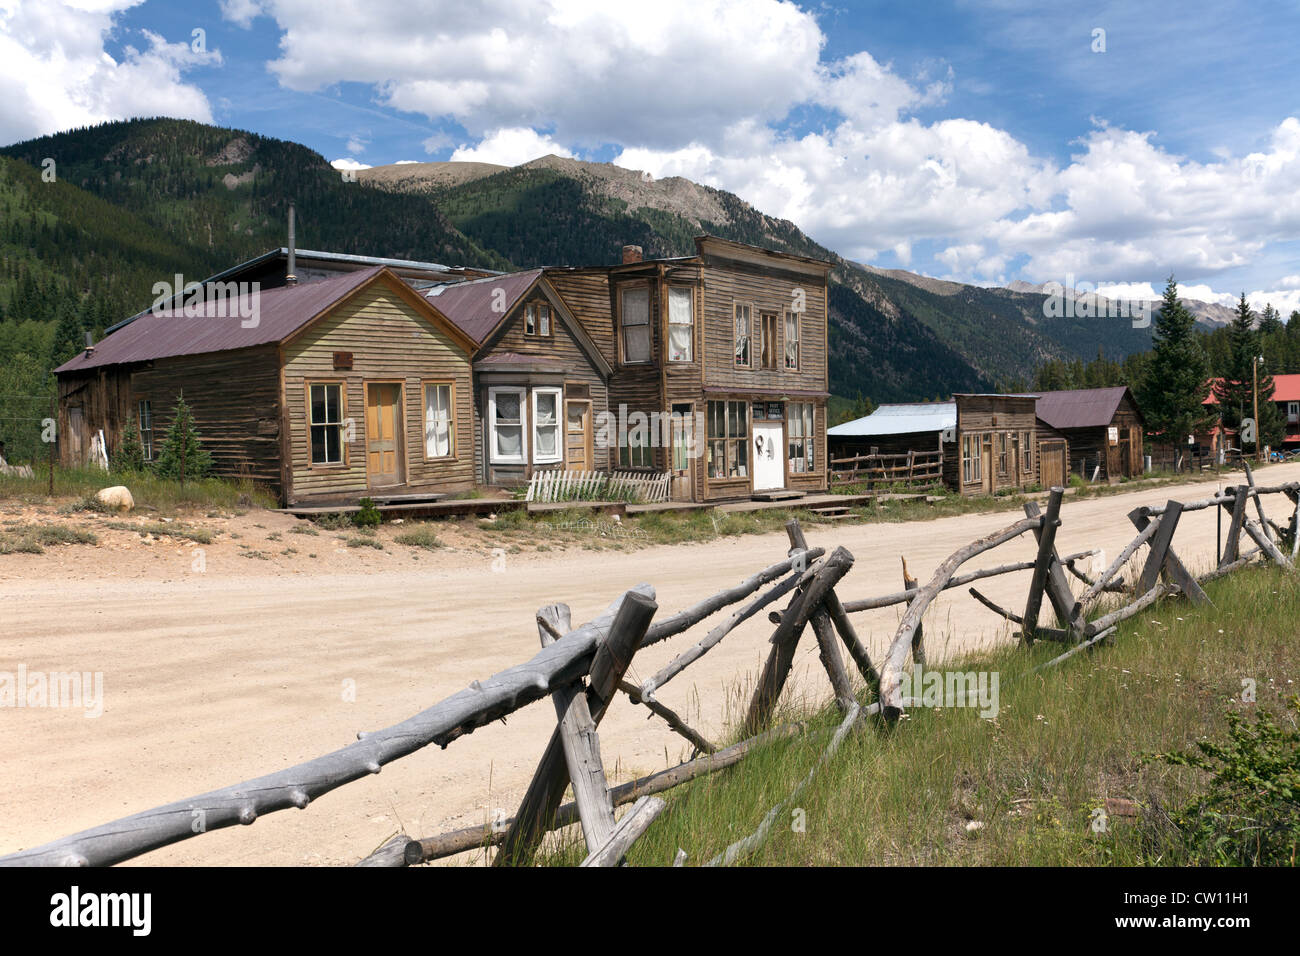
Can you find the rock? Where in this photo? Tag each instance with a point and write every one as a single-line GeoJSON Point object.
{"type": "Point", "coordinates": [118, 498]}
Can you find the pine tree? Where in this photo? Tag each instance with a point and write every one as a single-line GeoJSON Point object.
{"type": "Point", "coordinates": [1174, 384]}
{"type": "Point", "coordinates": [183, 456]}
{"type": "Point", "coordinates": [128, 456]}
{"type": "Point", "coordinates": [1234, 391]}
{"type": "Point", "coordinates": [68, 337]}
{"type": "Point", "coordinates": [1270, 320]}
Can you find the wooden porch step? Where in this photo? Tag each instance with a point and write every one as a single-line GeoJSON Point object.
{"type": "Point", "coordinates": [780, 494]}
{"type": "Point", "coordinates": [835, 511]}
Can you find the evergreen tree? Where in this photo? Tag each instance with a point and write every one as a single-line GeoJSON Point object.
{"type": "Point", "coordinates": [1174, 386]}
{"type": "Point", "coordinates": [68, 337]}
{"type": "Point", "coordinates": [1270, 320]}
{"type": "Point", "coordinates": [128, 456]}
{"type": "Point", "coordinates": [183, 444]}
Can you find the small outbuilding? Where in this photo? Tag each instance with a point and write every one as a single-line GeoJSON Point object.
{"type": "Point", "coordinates": [994, 446]}
{"type": "Point", "coordinates": [1103, 427]}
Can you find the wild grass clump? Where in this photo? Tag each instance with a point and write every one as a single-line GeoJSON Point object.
{"type": "Point", "coordinates": [161, 529]}
{"type": "Point", "coordinates": [20, 538]}
{"type": "Point", "coordinates": [421, 536]}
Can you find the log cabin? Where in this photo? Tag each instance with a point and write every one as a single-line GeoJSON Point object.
{"type": "Point", "coordinates": [541, 383]}
{"type": "Point", "coordinates": [995, 446]}
{"type": "Point", "coordinates": [1104, 429]}
{"type": "Point", "coordinates": [350, 386]}
{"type": "Point", "coordinates": [723, 353]}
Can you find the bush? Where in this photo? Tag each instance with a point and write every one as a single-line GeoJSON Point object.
{"type": "Point", "coordinates": [368, 516]}
{"type": "Point", "coordinates": [1250, 815]}
{"type": "Point", "coordinates": [422, 536]}
{"type": "Point", "coordinates": [128, 456]}
{"type": "Point", "coordinates": [183, 454]}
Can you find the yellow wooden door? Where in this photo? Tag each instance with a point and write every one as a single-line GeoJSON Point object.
{"type": "Point", "coordinates": [383, 434]}
{"type": "Point", "coordinates": [577, 436]}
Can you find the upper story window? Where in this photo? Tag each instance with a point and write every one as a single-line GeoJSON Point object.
{"type": "Point", "coordinates": [767, 342]}
{"type": "Point", "coordinates": [740, 335]}
{"type": "Point", "coordinates": [537, 319]}
{"type": "Point", "coordinates": [792, 340]}
{"type": "Point", "coordinates": [634, 316]}
{"type": "Point", "coordinates": [681, 324]}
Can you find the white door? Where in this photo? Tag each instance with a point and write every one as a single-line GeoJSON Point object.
{"type": "Point", "coordinates": [769, 456]}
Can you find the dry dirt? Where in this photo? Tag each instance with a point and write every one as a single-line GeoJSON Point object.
{"type": "Point", "coordinates": [219, 675]}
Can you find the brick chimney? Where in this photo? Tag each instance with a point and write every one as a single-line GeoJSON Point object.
{"type": "Point", "coordinates": [631, 254]}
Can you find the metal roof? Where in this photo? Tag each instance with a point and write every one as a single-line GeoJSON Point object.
{"type": "Point", "coordinates": [1080, 407]}
{"type": "Point", "coordinates": [166, 333]}
{"type": "Point", "coordinates": [479, 305]}
{"type": "Point", "coordinates": [900, 420]}
{"type": "Point", "coordinates": [1286, 388]}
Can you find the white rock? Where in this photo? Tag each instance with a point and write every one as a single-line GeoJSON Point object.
{"type": "Point", "coordinates": [117, 497]}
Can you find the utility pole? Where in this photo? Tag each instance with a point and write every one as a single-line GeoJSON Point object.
{"type": "Point", "coordinates": [1254, 370]}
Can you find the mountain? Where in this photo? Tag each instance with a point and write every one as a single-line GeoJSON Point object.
{"type": "Point", "coordinates": [137, 201]}
{"type": "Point", "coordinates": [1211, 315]}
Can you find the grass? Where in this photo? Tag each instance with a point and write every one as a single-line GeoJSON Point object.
{"type": "Point", "coordinates": [420, 536]}
{"type": "Point", "coordinates": [148, 490]}
{"type": "Point", "coordinates": [364, 541]}
{"type": "Point", "coordinates": [161, 529]}
{"type": "Point", "coordinates": [1067, 773]}
{"type": "Point", "coordinates": [19, 538]}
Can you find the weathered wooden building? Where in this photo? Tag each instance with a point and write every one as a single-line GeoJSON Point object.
{"type": "Point", "coordinates": [895, 429]}
{"type": "Point", "coordinates": [1104, 429]}
{"type": "Point", "coordinates": [994, 446]}
{"type": "Point", "coordinates": [541, 383]}
{"type": "Point", "coordinates": [723, 354]}
{"type": "Point", "coordinates": [326, 391]}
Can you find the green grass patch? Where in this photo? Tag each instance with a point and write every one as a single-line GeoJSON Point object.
{"type": "Point", "coordinates": [421, 536]}
{"type": "Point", "coordinates": [163, 529]}
{"type": "Point", "coordinates": [1091, 762]}
{"type": "Point", "coordinates": [19, 538]}
{"type": "Point", "coordinates": [147, 489]}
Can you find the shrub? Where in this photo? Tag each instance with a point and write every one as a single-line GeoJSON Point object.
{"type": "Point", "coordinates": [368, 516]}
{"type": "Point", "coordinates": [421, 536]}
{"type": "Point", "coordinates": [128, 456]}
{"type": "Point", "coordinates": [183, 454]}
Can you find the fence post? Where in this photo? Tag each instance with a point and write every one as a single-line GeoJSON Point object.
{"type": "Point", "coordinates": [1042, 565]}
{"type": "Point", "coordinates": [1171, 567]}
{"type": "Point", "coordinates": [824, 631]}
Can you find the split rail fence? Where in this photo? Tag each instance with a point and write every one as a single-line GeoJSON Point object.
{"type": "Point", "coordinates": [583, 668]}
{"type": "Point", "coordinates": [913, 468]}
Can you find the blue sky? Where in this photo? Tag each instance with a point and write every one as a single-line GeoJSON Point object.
{"type": "Point", "coordinates": [982, 141]}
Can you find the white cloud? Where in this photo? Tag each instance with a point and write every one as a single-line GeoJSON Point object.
{"type": "Point", "coordinates": [510, 147]}
{"type": "Point", "coordinates": [56, 74]}
{"type": "Point", "coordinates": [241, 12]}
{"type": "Point", "coordinates": [348, 163]}
{"type": "Point", "coordinates": [356, 144]}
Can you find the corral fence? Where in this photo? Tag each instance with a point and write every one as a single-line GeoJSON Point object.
{"type": "Point", "coordinates": [912, 468]}
{"type": "Point", "coordinates": [559, 485]}
{"type": "Point", "coordinates": [581, 669]}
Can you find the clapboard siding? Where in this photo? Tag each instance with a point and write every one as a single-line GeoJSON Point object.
{"type": "Point", "coordinates": [389, 341]}
{"type": "Point", "coordinates": [586, 294]}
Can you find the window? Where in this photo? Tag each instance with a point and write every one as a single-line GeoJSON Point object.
{"type": "Point", "coordinates": [537, 319]}
{"type": "Point", "coordinates": [636, 325]}
{"type": "Point", "coordinates": [1293, 411]}
{"type": "Point", "coordinates": [145, 421]}
{"type": "Point", "coordinates": [506, 424]}
{"type": "Point", "coordinates": [741, 335]}
{"type": "Point", "coordinates": [970, 458]}
{"type": "Point", "coordinates": [681, 324]}
{"type": "Point", "coordinates": [792, 340]}
{"type": "Point", "coordinates": [767, 344]}
{"type": "Point", "coordinates": [546, 426]}
{"type": "Point", "coordinates": [802, 436]}
{"type": "Point", "coordinates": [326, 423]}
{"type": "Point", "coordinates": [728, 440]}
{"type": "Point", "coordinates": [1004, 459]}
{"type": "Point", "coordinates": [439, 421]}
{"type": "Point", "coordinates": [635, 450]}
{"type": "Point", "coordinates": [1027, 453]}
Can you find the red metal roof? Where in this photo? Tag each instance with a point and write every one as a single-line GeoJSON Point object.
{"type": "Point", "coordinates": [477, 307]}
{"type": "Point", "coordinates": [1080, 407]}
{"type": "Point", "coordinates": [271, 316]}
{"type": "Point", "coordinates": [1286, 388]}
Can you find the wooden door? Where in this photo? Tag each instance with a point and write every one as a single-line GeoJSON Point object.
{"type": "Point", "coordinates": [1051, 463]}
{"type": "Point", "coordinates": [769, 456]}
{"type": "Point", "coordinates": [577, 436]}
{"type": "Point", "coordinates": [383, 434]}
{"type": "Point", "coordinates": [76, 435]}
{"type": "Point", "coordinates": [987, 480]}
{"type": "Point", "coordinates": [683, 452]}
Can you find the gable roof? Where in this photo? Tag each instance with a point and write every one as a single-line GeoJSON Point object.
{"type": "Point", "coordinates": [278, 313]}
{"type": "Point", "coordinates": [1286, 388]}
{"type": "Point", "coordinates": [1082, 407]}
{"type": "Point", "coordinates": [900, 420]}
{"type": "Point", "coordinates": [477, 307]}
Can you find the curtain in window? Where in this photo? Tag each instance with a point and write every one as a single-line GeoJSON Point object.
{"type": "Point", "coordinates": [437, 421]}
{"type": "Point", "coordinates": [681, 325]}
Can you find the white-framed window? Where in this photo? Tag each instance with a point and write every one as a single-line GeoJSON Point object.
{"type": "Point", "coordinates": [792, 340]}
{"type": "Point", "coordinates": [1293, 411]}
{"type": "Point", "coordinates": [439, 420]}
{"type": "Point", "coordinates": [801, 435]}
{"type": "Point", "coordinates": [506, 437]}
{"type": "Point", "coordinates": [970, 458]}
{"type": "Point", "coordinates": [546, 426]}
{"type": "Point", "coordinates": [634, 317]}
{"type": "Point", "coordinates": [145, 422]}
{"type": "Point", "coordinates": [742, 326]}
{"type": "Point", "coordinates": [325, 413]}
{"type": "Point", "coordinates": [681, 324]}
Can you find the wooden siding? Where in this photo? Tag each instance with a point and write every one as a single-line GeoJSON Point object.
{"type": "Point", "coordinates": [586, 292]}
{"type": "Point", "coordinates": [1090, 447]}
{"type": "Point", "coordinates": [390, 342]}
{"type": "Point", "coordinates": [986, 418]}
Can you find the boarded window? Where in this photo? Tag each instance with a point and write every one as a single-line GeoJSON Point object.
{"type": "Point", "coordinates": [326, 424]}
{"type": "Point", "coordinates": [681, 325]}
{"type": "Point", "coordinates": [145, 420]}
{"type": "Point", "coordinates": [728, 439]}
{"type": "Point", "coordinates": [801, 436]}
{"type": "Point", "coordinates": [741, 335]}
{"type": "Point", "coordinates": [792, 340]}
{"type": "Point", "coordinates": [636, 325]}
{"type": "Point", "coordinates": [546, 426]}
{"type": "Point", "coordinates": [439, 425]}
{"type": "Point", "coordinates": [506, 424]}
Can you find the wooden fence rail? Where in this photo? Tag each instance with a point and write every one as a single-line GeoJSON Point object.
{"type": "Point", "coordinates": [582, 669]}
{"type": "Point", "coordinates": [559, 485]}
{"type": "Point", "coordinates": [911, 468]}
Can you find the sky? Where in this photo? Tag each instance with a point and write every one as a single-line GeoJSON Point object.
{"type": "Point", "coordinates": [1097, 144]}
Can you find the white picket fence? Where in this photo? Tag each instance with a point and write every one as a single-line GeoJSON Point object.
{"type": "Point", "coordinates": [558, 485]}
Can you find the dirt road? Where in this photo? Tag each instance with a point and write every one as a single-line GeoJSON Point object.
{"type": "Point", "coordinates": [215, 677]}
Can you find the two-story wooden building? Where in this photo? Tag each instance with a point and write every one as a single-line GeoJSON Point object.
{"type": "Point", "coordinates": [994, 446]}
{"type": "Point", "coordinates": [719, 366]}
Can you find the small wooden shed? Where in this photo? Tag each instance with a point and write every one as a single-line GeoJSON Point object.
{"type": "Point", "coordinates": [1103, 426]}
{"type": "Point", "coordinates": [994, 446]}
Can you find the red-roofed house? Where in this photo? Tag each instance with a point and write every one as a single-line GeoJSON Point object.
{"type": "Point", "coordinates": [1286, 395]}
{"type": "Point", "coordinates": [327, 391]}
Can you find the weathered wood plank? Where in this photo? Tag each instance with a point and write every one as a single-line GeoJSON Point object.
{"type": "Point", "coordinates": [1046, 530]}
{"type": "Point", "coordinates": [628, 831]}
